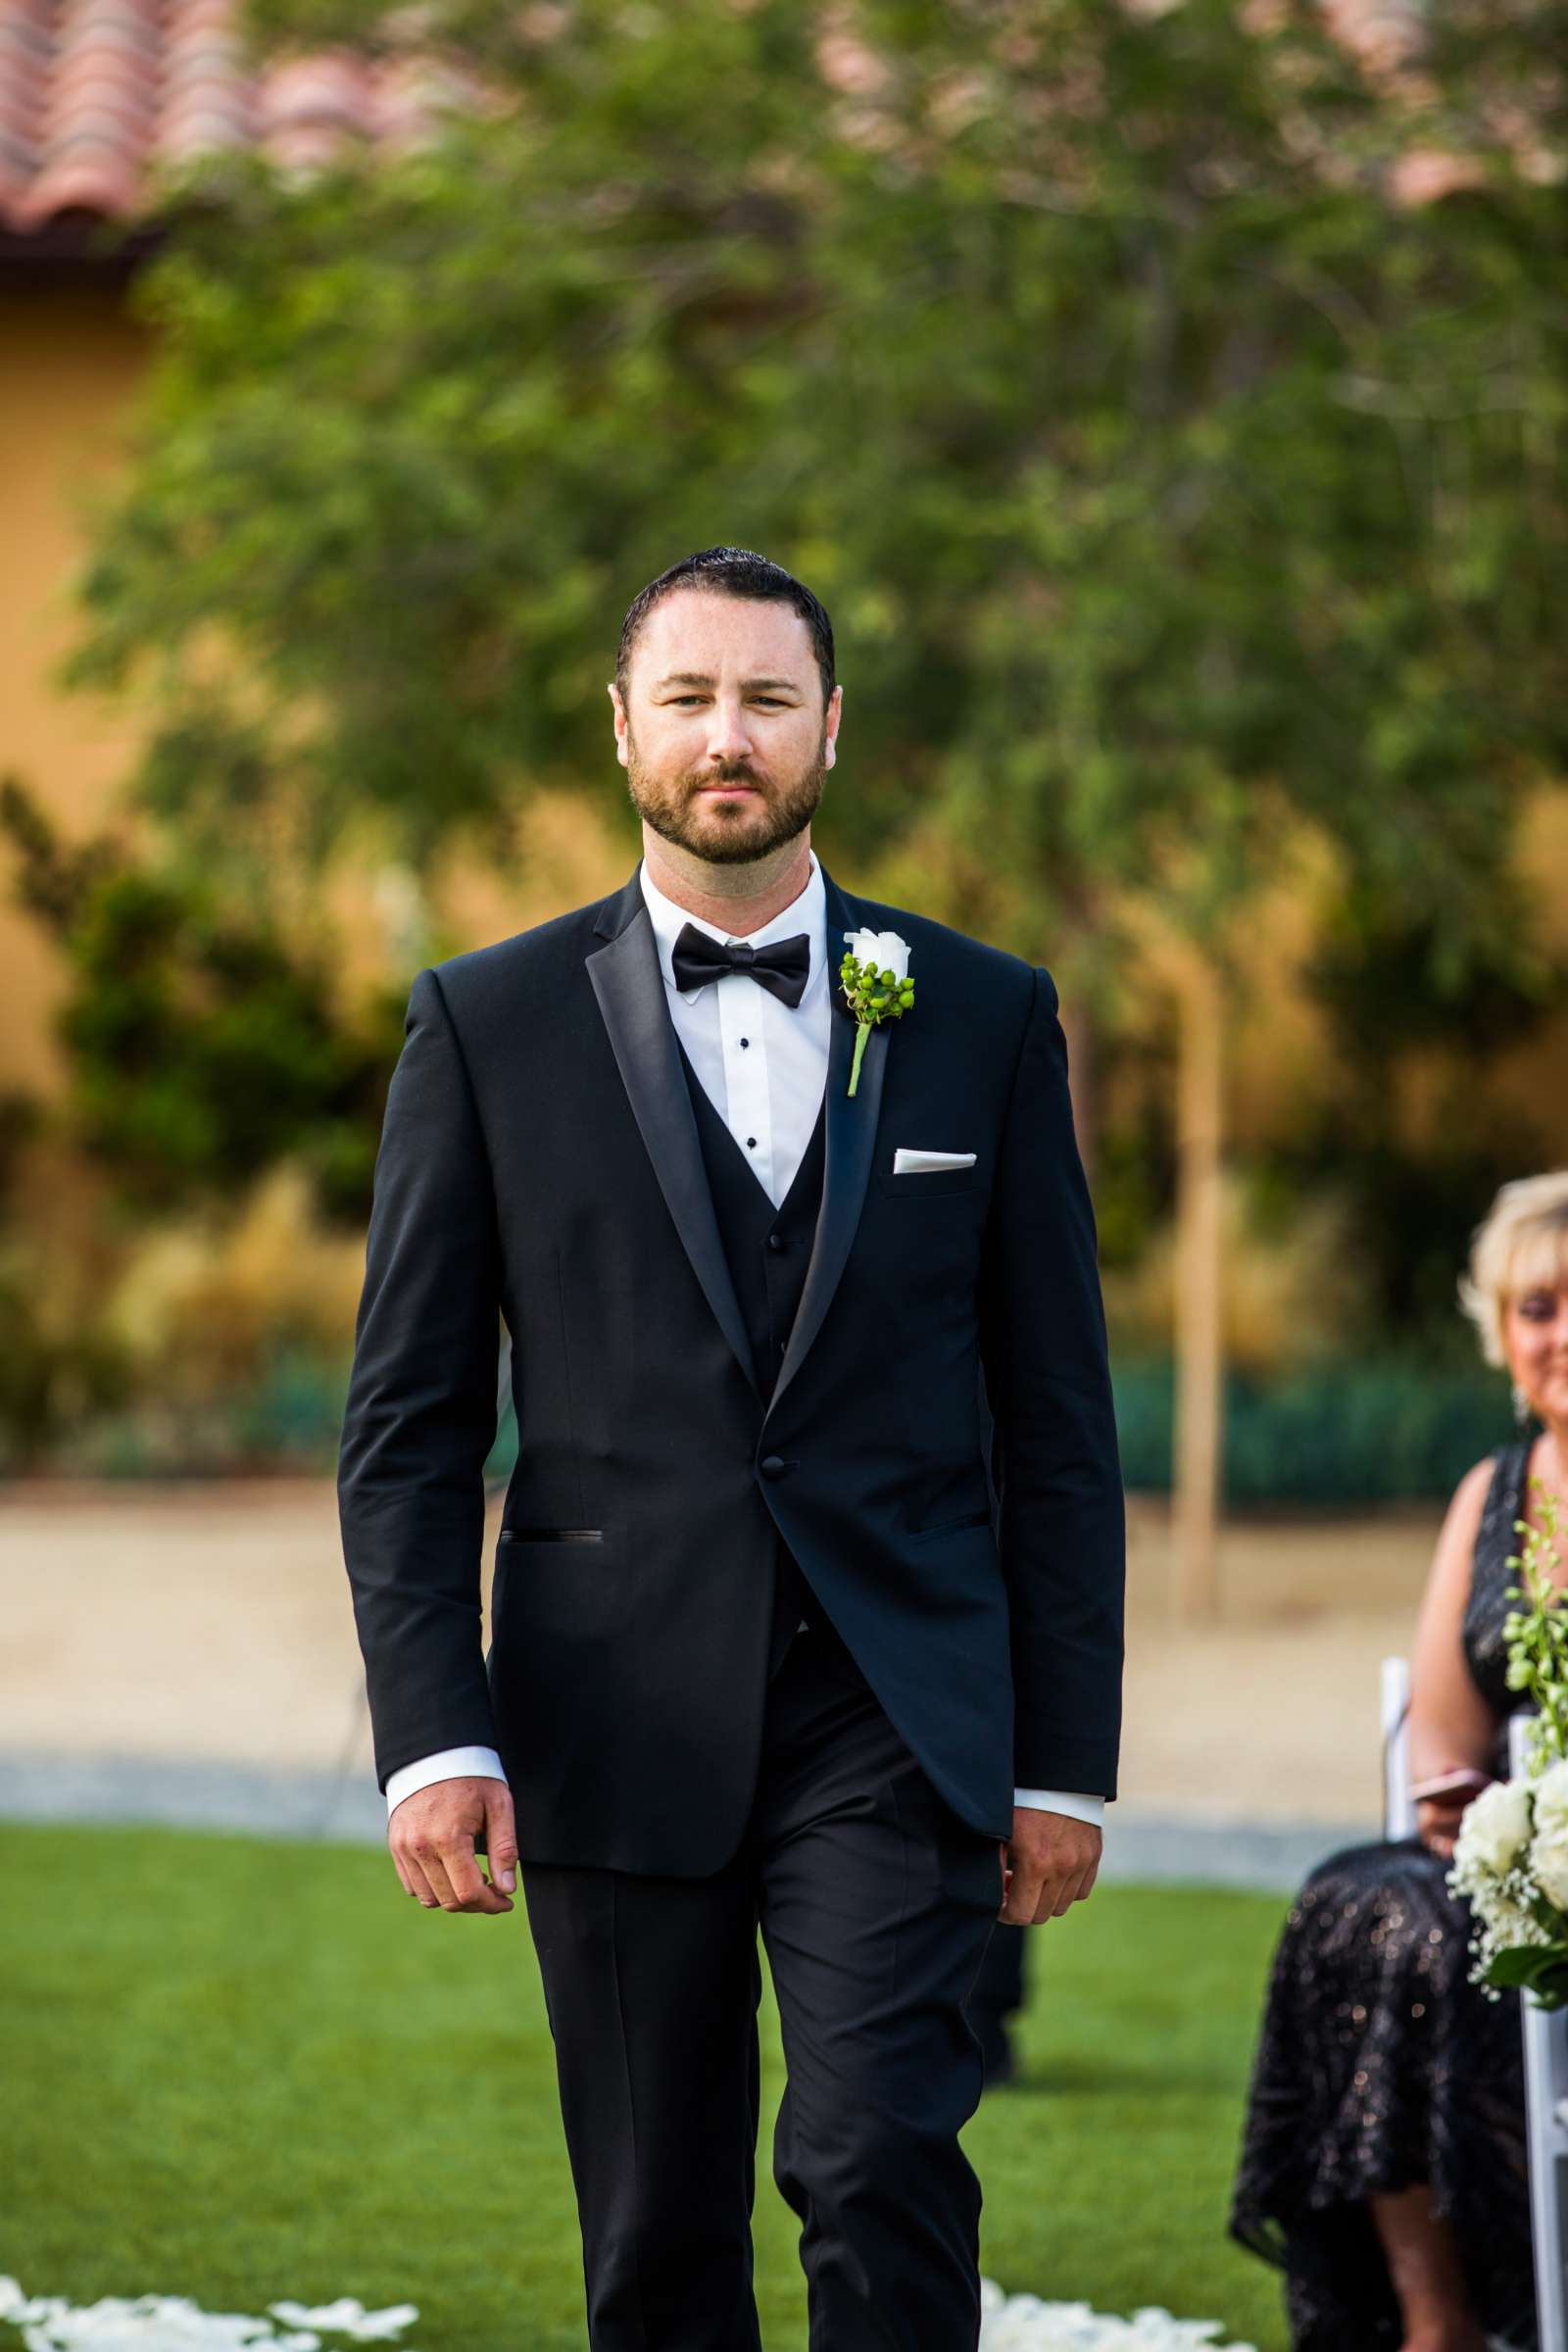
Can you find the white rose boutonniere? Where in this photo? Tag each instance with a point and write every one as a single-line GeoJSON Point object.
{"type": "Point", "coordinates": [876, 983]}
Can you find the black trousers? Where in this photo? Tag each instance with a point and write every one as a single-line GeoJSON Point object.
{"type": "Point", "coordinates": [875, 1903]}
{"type": "Point", "coordinates": [997, 1991]}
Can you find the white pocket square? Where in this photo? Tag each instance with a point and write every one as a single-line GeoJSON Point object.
{"type": "Point", "coordinates": [907, 1162]}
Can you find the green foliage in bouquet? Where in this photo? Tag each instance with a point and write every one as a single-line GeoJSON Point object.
{"type": "Point", "coordinates": [1538, 1635]}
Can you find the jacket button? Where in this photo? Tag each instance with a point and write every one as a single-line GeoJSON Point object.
{"type": "Point", "coordinates": [772, 1465]}
{"type": "Point", "coordinates": [775, 1241]}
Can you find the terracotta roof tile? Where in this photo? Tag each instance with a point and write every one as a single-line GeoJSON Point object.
{"type": "Point", "coordinates": [95, 94]}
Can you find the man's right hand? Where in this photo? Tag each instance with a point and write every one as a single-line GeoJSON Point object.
{"type": "Point", "coordinates": [433, 1836]}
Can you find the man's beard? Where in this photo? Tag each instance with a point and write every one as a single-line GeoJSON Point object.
{"type": "Point", "coordinates": [727, 832]}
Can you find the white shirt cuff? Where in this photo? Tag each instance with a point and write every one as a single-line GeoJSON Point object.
{"type": "Point", "coordinates": [1082, 1806]}
{"type": "Point", "coordinates": [451, 1764]}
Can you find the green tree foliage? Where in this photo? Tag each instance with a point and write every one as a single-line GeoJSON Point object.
{"type": "Point", "coordinates": [1166, 473]}
{"type": "Point", "coordinates": [202, 1047]}
{"type": "Point", "coordinates": [1171, 476]}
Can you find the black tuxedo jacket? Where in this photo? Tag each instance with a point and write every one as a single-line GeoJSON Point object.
{"type": "Point", "coordinates": [540, 1156]}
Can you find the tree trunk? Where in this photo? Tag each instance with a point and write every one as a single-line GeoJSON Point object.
{"type": "Point", "coordinates": [1198, 1435]}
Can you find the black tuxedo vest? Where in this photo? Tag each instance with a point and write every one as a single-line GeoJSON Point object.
{"type": "Point", "coordinates": [766, 1251]}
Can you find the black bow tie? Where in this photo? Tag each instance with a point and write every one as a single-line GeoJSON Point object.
{"type": "Point", "coordinates": [780, 968]}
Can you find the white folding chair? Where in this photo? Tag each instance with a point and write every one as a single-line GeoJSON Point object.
{"type": "Point", "coordinates": [1546, 2033]}
{"type": "Point", "coordinates": [1398, 1813]}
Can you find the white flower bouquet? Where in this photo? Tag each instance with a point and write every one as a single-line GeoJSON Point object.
{"type": "Point", "coordinates": [1510, 1856]}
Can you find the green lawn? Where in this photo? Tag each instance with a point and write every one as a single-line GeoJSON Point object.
{"type": "Point", "coordinates": [241, 2070]}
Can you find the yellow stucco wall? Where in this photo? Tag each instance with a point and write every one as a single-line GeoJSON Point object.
{"type": "Point", "coordinates": [70, 362]}
{"type": "Point", "coordinates": [69, 359]}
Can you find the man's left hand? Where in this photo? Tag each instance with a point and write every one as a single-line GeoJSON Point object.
{"type": "Point", "coordinates": [1050, 1862]}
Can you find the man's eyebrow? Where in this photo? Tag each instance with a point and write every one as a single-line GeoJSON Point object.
{"type": "Point", "coordinates": [694, 678]}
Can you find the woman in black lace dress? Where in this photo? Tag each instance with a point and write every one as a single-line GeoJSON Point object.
{"type": "Point", "coordinates": [1383, 2161]}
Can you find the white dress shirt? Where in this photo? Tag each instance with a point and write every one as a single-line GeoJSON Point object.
{"type": "Point", "coordinates": [763, 1064]}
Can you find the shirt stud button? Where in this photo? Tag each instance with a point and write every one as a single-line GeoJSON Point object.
{"type": "Point", "coordinates": [751, 1142]}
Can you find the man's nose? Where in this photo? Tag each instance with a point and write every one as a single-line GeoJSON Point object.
{"type": "Point", "coordinates": [728, 737]}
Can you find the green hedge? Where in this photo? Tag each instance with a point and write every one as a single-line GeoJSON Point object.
{"type": "Point", "coordinates": [1384, 1430]}
{"type": "Point", "coordinates": [1374, 1431]}
{"type": "Point", "coordinates": [1378, 1430]}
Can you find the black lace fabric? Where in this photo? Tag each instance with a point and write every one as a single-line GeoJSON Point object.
{"type": "Point", "coordinates": [1379, 2065]}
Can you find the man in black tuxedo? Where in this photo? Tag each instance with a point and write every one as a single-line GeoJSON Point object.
{"type": "Point", "coordinates": [778, 1640]}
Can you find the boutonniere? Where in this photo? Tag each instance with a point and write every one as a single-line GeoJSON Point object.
{"type": "Point", "coordinates": [876, 983]}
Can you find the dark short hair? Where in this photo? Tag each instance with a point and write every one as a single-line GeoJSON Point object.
{"type": "Point", "coordinates": [730, 572]}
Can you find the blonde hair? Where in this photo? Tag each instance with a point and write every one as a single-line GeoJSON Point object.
{"type": "Point", "coordinates": [1520, 1244]}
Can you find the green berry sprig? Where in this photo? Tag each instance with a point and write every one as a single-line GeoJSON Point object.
{"type": "Point", "coordinates": [872, 996]}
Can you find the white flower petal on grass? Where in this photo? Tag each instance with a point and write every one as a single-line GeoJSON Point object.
{"type": "Point", "coordinates": [1025, 2324]}
{"type": "Point", "coordinates": [146, 2324]}
{"type": "Point", "coordinates": [347, 2317]}
{"type": "Point", "coordinates": [174, 2324]}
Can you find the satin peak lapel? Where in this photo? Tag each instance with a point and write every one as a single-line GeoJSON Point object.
{"type": "Point", "coordinates": [631, 989]}
{"type": "Point", "coordinates": [850, 1142]}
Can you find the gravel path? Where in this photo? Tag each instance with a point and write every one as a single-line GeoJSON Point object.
{"type": "Point", "coordinates": [211, 1793]}
{"type": "Point", "coordinates": [186, 1653]}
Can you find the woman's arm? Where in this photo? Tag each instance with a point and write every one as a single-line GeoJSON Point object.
{"type": "Point", "coordinates": [1451, 1723]}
